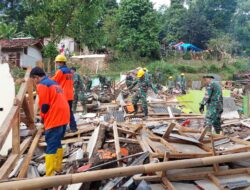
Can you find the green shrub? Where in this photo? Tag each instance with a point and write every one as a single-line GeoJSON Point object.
{"type": "Point", "coordinates": [187, 68]}
{"type": "Point", "coordinates": [187, 56]}
{"type": "Point", "coordinates": [214, 69]}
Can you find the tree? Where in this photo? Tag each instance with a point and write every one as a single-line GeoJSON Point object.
{"type": "Point", "coordinates": [138, 28]}
{"type": "Point", "coordinates": [7, 31]}
{"type": "Point", "coordinates": [172, 19]}
{"type": "Point", "coordinates": [15, 12]}
{"type": "Point", "coordinates": [218, 12]}
{"type": "Point", "coordinates": [241, 23]}
{"type": "Point", "coordinates": [86, 24]}
{"type": "Point", "coordinates": [51, 18]}
{"type": "Point", "coordinates": [196, 28]}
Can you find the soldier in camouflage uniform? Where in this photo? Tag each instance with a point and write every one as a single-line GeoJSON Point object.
{"type": "Point", "coordinates": [214, 102]}
{"type": "Point", "coordinates": [88, 83]}
{"type": "Point", "coordinates": [158, 78]}
{"type": "Point", "coordinates": [170, 85]}
{"type": "Point", "coordinates": [129, 80]}
{"type": "Point", "coordinates": [79, 91]}
{"type": "Point", "coordinates": [141, 94]}
{"type": "Point", "coordinates": [182, 83]}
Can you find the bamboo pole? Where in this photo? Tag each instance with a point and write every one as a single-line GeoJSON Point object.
{"type": "Point", "coordinates": [45, 182]}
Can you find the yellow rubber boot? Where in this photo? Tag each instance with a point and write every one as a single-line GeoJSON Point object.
{"type": "Point", "coordinates": [50, 164]}
{"type": "Point", "coordinates": [59, 158]}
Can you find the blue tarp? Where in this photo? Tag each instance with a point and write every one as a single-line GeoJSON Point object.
{"type": "Point", "coordinates": [188, 47]}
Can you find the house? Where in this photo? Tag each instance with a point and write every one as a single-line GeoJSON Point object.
{"type": "Point", "coordinates": [68, 42]}
{"type": "Point", "coordinates": [22, 52]}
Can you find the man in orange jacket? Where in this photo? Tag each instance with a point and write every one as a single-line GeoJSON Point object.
{"type": "Point", "coordinates": [64, 78]}
{"type": "Point", "coordinates": [54, 111]}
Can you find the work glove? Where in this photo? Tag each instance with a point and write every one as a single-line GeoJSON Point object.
{"type": "Point", "coordinates": [201, 108]}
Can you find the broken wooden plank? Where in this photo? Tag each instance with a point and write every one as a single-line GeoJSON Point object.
{"type": "Point", "coordinates": [168, 131]}
{"type": "Point", "coordinates": [168, 184]}
{"type": "Point", "coordinates": [28, 113]}
{"type": "Point", "coordinates": [28, 157]}
{"type": "Point", "coordinates": [69, 141]}
{"type": "Point", "coordinates": [117, 143]}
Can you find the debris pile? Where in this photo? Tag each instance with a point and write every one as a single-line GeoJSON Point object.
{"type": "Point", "coordinates": [113, 138]}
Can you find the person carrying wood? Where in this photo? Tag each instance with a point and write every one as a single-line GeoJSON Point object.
{"type": "Point", "coordinates": [214, 102]}
{"type": "Point", "coordinates": [54, 111]}
{"type": "Point", "coordinates": [64, 78]}
{"type": "Point", "coordinates": [141, 93]}
{"type": "Point", "coordinates": [79, 91]}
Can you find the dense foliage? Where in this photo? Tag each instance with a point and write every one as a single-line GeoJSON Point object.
{"type": "Point", "coordinates": [132, 27]}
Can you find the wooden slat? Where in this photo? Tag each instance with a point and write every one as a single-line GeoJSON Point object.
{"type": "Point", "coordinates": [28, 157]}
{"type": "Point", "coordinates": [29, 113]}
{"type": "Point", "coordinates": [16, 134]}
{"type": "Point", "coordinates": [13, 158]}
{"type": "Point", "coordinates": [8, 165]}
{"type": "Point", "coordinates": [117, 143]}
{"type": "Point", "coordinates": [23, 89]}
{"type": "Point", "coordinates": [31, 97]}
{"type": "Point", "coordinates": [168, 131]}
{"type": "Point", "coordinates": [8, 124]}
{"type": "Point", "coordinates": [167, 183]}
{"type": "Point", "coordinates": [68, 141]}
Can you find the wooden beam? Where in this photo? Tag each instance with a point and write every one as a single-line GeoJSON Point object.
{"type": "Point", "coordinates": [28, 113]}
{"type": "Point", "coordinates": [31, 97]}
{"type": "Point", "coordinates": [23, 89]}
{"type": "Point", "coordinates": [203, 134]}
{"type": "Point", "coordinates": [28, 157]}
{"type": "Point", "coordinates": [216, 181]}
{"type": "Point", "coordinates": [168, 131]}
{"type": "Point", "coordinates": [16, 134]}
{"type": "Point", "coordinates": [9, 123]}
{"type": "Point", "coordinates": [167, 183]}
{"type": "Point", "coordinates": [9, 164]}
{"type": "Point", "coordinates": [52, 181]}
{"type": "Point", "coordinates": [126, 131]}
{"type": "Point", "coordinates": [68, 141]}
{"type": "Point", "coordinates": [117, 143]}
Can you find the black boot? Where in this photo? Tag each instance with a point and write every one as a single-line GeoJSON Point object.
{"type": "Point", "coordinates": [135, 109]}
{"type": "Point", "coordinates": [145, 111]}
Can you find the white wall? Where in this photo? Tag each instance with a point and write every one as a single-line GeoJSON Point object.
{"type": "Point", "coordinates": [68, 42]}
{"type": "Point", "coordinates": [29, 60]}
{"type": "Point", "coordinates": [7, 96]}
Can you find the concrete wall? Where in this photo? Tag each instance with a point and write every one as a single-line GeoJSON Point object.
{"type": "Point", "coordinates": [29, 60]}
{"type": "Point", "coordinates": [91, 63]}
{"type": "Point", "coordinates": [7, 96]}
{"type": "Point", "coordinates": [67, 41]}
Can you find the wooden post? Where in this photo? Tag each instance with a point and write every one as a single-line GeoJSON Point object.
{"type": "Point", "coordinates": [16, 134]}
{"type": "Point", "coordinates": [168, 131]}
{"type": "Point", "coordinates": [31, 97]}
{"type": "Point", "coordinates": [248, 102]}
{"type": "Point", "coordinates": [117, 143]}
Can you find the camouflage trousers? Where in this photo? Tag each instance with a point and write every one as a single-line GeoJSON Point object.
{"type": "Point", "coordinates": [213, 118]}
{"type": "Point", "coordinates": [143, 99]}
{"type": "Point", "coordinates": [79, 95]}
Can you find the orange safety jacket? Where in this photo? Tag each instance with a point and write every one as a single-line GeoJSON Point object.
{"type": "Point", "coordinates": [54, 107]}
{"type": "Point", "coordinates": [64, 78]}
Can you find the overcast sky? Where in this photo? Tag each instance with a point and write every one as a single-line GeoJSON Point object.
{"type": "Point", "coordinates": [158, 3]}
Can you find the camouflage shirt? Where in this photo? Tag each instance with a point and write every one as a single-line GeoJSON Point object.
{"type": "Point", "coordinates": [78, 83]}
{"type": "Point", "coordinates": [143, 85]}
{"type": "Point", "coordinates": [213, 95]}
